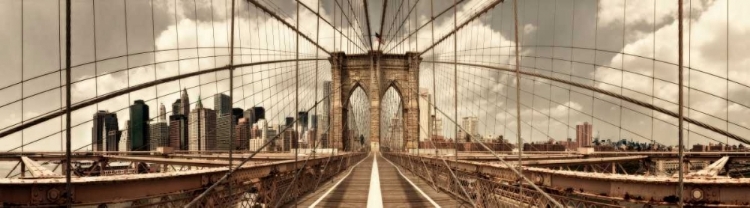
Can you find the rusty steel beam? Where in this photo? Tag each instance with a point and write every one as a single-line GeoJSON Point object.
{"type": "Point", "coordinates": [611, 94]}
{"type": "Point", "coordinates": [472, 18]}
{"type": "Point", "coordinates": [38, 171]}
{"type": "Point", "coordinates": [558, 162]}
{"type": "Point", "coordinates": [123, 188]}
{"type": "Point", "coordinates": [608, 186]}
{"type": "Point", "coordinates": [171, 161]}
{"type": "Point", "coordinates": [114, 94]}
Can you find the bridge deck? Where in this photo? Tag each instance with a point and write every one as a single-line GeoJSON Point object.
{"type": "Point", "coordinates": [375, 182]}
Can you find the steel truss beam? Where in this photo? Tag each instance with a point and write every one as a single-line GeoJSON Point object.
{"type": "Point", "coordinates": [92, 190]}
{"type": "Point", "coordinates": [575, 187]}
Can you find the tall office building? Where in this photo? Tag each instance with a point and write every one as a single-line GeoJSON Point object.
{"type": "Point", "coordinates": [255, 144]}
{"type": "Point", "coordinates": [124, 144]}
{"type": "Point", "coordinates": [425, 112]}
{"type": "Point", "coordinates": [159, 131]}
{"type": "Point", "coordinates": [112, 142]}
{"type": "Point", "coordinates": [202, 128]}
{"type": "Point", "coordinates": [139, 129]}
{"type": "Point", "coordinates": [104, 123]}
{"type": "Point", "coordinates": [584, 134]}
{"type": "Point", "coordinates": [254, 131]}
{"type": "Point", "coordinates": [289, 139]}
{"type": "Point", "coordinates": [222, 104]}
{"type": "Point", "coordinates": [259, 113]}
{"type": "Point", "coordinates": [395, 132]}
{"type": "Point", "coordinates": [224, 124]}
{"type": "Point", "coordinates": [288, 122]}
{"type": "Point", "coordinates": [438, 130]}
{"type": "Point", "coordinates": [250, 115]}
{"type": "Point", "coordinates": [178, 132]}
{"type": "Point", "coordinates": [237, 113]}
{"type": "Point", "coordinates": [162, 117]}
{"type": "Point", "coordinates": [176, 107]}
{"type": "Point", "coordinates": [325, 116]}
{"type": "Point", "coordinates": [159, 135]}
{"type": "Point", "coordinates": [314, 121]}
{"type": "Point", "coordinates": [242, 134]}
{"type": "Point", "coordinates": [471, 126]}
{"type": "Point", "coordinates": [184, 103]}
{"type": "Point", "coordinates": [302, 120]}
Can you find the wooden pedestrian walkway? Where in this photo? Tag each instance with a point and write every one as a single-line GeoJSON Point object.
{"type": "Point", "coordinates": [376, 182]}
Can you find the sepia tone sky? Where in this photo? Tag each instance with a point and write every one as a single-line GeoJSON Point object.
{"type": "Point", "coordinates": [623, 46]}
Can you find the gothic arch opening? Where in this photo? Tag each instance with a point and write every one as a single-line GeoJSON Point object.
{"type": "Point", "coordinates": [392, 120]}
{"type": "Point", "coordinates": [356, 123]}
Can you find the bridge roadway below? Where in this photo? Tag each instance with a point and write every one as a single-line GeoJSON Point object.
{"type": "Point", "coordinates": [376, 182]}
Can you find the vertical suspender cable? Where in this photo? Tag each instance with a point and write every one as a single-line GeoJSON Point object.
{"type": "Point", "coordinates": [518, 99]}
{"type": "Point", "coordinates": [67, 104]}
{"type": "Point", "coordinates": [231, 96]}
{"type": "Point", "coordinates": [296, 101]}
{"type": "Point", "coordinates": [434, 91]}
{"type": "Point", "coordinates": [315, 110]}
{"type": "Point", "coordinates": [680, 105]}
{"type": "Point", "coordinates": [455, 80]}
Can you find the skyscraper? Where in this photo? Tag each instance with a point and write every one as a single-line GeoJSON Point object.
{"type": "Point", "coordinates": [584, 134]}
{"type": "Point", "coordinates": [159, 131]}
{"type": "Point", "coordinates": [250, 115]}
{"type": "Point", "coordinates": [289, 139]}
{"type": "Point", "coordinates": [438, 122]}
{"type": "Point", "coordinates": [178, 132]}
{"type": "Point", "coordinates": [325, 116]}
{"type": "Point", "coordinates": [242, 134]}
{"type": "Point", "coordinates": [224, 124]}
{"type": "Point", "coordinates": [471, 126]}
{"type": "Point", "coordinates": [202, 131]}
{"type": "Point", "coordinates": [314, 121]}
{"type": "Point", "coordinates": [288, 122]}
{"type": "Point", "coordinates": [259, 112]}
{"type": "Point", "coordinates": [425, 110]}
{"type": "Point", "coordinates": [113, 140]}
{"type": "Point", "coordinates": [237, 112]}
{"type": "Point", "coordinates": [104, 123]}
{"type": "Point", "coordinates": [184, 103]}
{"type": "Point", "coordinates": [139, 129]}
{"type": "Point", "coordinates": [222, 104]}
{"type": "Point", "coordinates": [176, 107]}
{"type": "Point", "coordinates": [302, 120]}
{"type": "Point", "coordinates": [162, 117]}
{"type": "Point", "coordinates": [124, 144]}
{"type": "Point", "coordinates": [158, 135]}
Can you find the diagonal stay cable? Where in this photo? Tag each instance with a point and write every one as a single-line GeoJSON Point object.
{"type": "Point", "coordinates": [245, 160]}
{"type": "Point", "coordinates": [510, 166]}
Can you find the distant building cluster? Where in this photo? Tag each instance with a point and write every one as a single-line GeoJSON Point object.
{"type": "Point", "coordinates": [201, 128]}
{"type": "Point", "coordinates": [714, 147]}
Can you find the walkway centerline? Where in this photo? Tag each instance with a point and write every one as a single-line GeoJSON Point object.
{"type": "Point", "coordinates": [374, 198]}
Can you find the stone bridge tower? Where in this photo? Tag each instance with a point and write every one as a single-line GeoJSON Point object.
{"type": "Point", "coordinates": [375, 73]}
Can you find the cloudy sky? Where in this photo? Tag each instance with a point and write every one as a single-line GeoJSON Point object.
{"type": "Point", "coordinates": [623, 46]}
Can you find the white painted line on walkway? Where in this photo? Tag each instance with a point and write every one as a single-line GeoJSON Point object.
{"type": "Point", "coordinates": [374, 198]}
{"type": "Point", "coordinates": [412, 184]}
{"type": "Point", "coordinates": [334, 186]}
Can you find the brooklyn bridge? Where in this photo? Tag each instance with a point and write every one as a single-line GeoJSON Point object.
{"type": "Point", "coordinates": [374, 103]}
